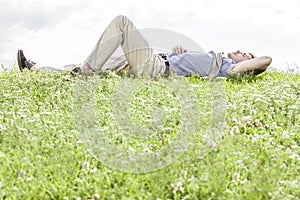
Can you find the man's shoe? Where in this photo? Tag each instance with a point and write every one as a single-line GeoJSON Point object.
{"type": "Point", "coordinates": [23, 62]}
{"type": "Point", "coordinates": [76, 70]}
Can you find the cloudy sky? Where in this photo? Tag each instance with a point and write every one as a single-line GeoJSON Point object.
{"type": "Point", "coordinates": [57, 32]}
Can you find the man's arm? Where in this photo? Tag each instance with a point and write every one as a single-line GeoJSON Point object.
{"type": "Point", "coordinates": [258, 65]}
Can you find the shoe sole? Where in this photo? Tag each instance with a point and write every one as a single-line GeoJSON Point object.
{"type": "Point", "coordinates": [20, 60]}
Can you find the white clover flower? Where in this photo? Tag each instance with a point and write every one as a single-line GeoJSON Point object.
{"type": "Point", "coordinates": [191, 179]}
{"type": "Point", "coordinates": [157, 153]}
{"type": "Point", "coordinates": [270, 194]}
{"type": "Point", "coordinates": [235, 177]}
{"type": "Point", "coordinates": [239, 162]}
{"type": "Point", "coordinates": [277, 149]}
{"type": "Point", "coordinates": [288, 149]}
{"type": "Point", "coordinates": [248, 123]}
{"type": "Point", "coordinates": [179, 187]}
{"type": "Point", "coordinates": [293, 107]}
{"type": "Point", "coordinates": [212, 144]}
{"type": "Point", "coordinates": [267, 126]}
{"type": "Point", "coordinates": [294, 146]}
{"type": "Point", "coordinates": [257, 136]}
{"type": "Point", "coordinates": [259, 124]}
{"type": "Point", "coordinates": [167, 129]}
{"type": "Point", "coordinates": [80, 141]}
{"type": "Point", "coordinates": [294, 156]}
{"type": "Point", "coordinates": [294, 184]}
{"type": "Point", "coordinates": [184, 174]}
{"type": "Point", "coordinates": [253, 112]}
{"type": "Point", "coordinates": [282, 182]}
{"type": "Point", "coordinates": [85, 166]}
{"type": "Point", "coordinates": [23, 129]}
{"type": "Point", "coordinates": [147, 150]}
{"type": "Point", "coordinates": [247, 118]}
{"type": "Point", "coordinates": [254, 138]}
{"type": "Point", "coordinates": [230, 132]}
{"type": "Point", "coordinates": [234, 119]}
{"type": "Point", "coordinates": [244, 181]}
{"type": "Point", "coordinates": [22, 174]}
{"type": "Point", "coordinates": [286, 134]}
{"type": "Point", "coordinates": [96, 197]}
{"type": "Point", "coordinates": [94, 170]}
{"type": "Point", "coordinates": [235, 129]}
{"type": "Point", "coordinates": [172, 186]}
{"type": "Point", "coordinates": [131, 149]}
{"type": "Point", "coordinates": [272, 109]}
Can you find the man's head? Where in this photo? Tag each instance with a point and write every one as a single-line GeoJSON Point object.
{"type": "Point", "coordinates": [239, 56]}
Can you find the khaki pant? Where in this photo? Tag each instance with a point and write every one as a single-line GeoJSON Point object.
{"type": "Point", "coordinates": [140, 58]}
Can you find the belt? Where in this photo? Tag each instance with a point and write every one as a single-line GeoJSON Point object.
{"type": "Point", "coordinates": [167, 63]}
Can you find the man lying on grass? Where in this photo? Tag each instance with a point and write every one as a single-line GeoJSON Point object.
{"type": "Point", "coordinates": [139, 59]}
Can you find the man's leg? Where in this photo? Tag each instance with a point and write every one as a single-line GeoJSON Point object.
{"type": "Point", "coordinates": [139, 55]}
{"type": "Point", "coordinates": [48, 69]}
{"type": "Point", "coordinates": [30, 65]}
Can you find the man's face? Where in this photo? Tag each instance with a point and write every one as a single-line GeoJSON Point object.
{"type": "Point", "coordinates": [239, 56]}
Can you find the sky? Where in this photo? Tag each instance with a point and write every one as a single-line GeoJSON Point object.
{"type": "Point", "coordinates": [56, 33]}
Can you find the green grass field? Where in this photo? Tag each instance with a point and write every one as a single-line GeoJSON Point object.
{"type": "Point", "coordinates": [43, 155]}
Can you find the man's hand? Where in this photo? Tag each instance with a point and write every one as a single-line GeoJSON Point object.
{"type": "Point", "coordinates": [179, 50]}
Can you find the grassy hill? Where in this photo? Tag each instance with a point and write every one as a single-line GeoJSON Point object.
{"type": "Point", "coordinates": [50, 148]}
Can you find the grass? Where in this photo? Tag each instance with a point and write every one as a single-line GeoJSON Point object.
{"type": "Point", "coordinates": [44, 152]}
